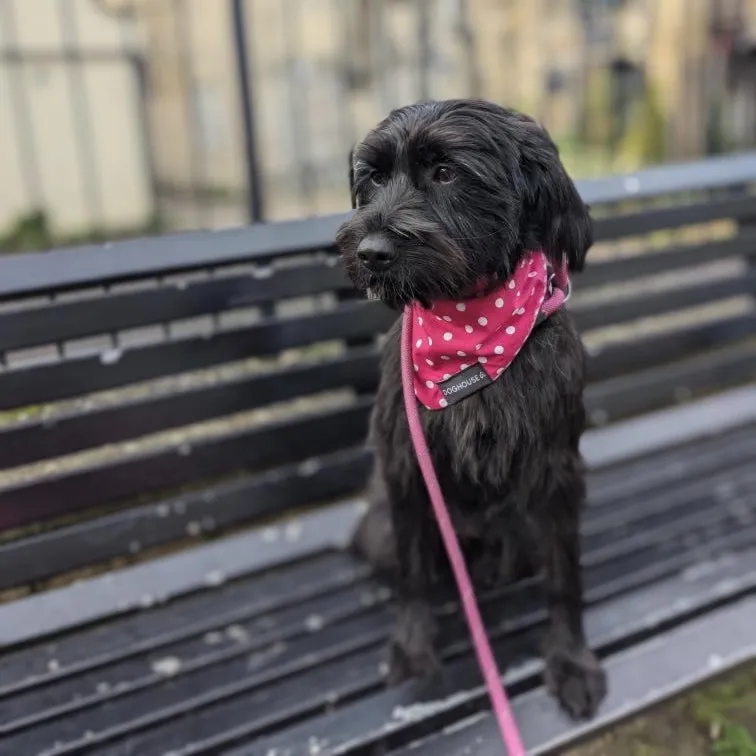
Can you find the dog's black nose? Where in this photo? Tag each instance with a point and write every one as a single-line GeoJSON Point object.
{"type": "Point", "coordinates": [376, 252]}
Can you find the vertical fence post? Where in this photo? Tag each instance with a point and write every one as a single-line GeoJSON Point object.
{"type": "Point", "coordinates": [21, 110]}
{"type": "Point", "coordinates": [424, 46]}
{"type": "Point", "coordinates": [244, 78]}
{"type": "Point", "coordinates": [81, 113]}
{"type": "Point", "coordinates": [184, 64]}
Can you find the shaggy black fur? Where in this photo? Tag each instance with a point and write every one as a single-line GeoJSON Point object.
{"type": "Point", "coordinates": [447, 193]}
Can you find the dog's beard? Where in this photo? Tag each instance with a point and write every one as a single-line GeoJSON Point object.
{"type": "Point", "coordinates": [424, 272]}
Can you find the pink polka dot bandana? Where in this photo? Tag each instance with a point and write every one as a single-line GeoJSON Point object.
{"type": "Point", "coordinates": [459, 347]}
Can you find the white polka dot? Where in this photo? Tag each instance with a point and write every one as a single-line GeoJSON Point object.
{"type": "Point", "coordinates": [447, 336]}
{"type": "Point", "coordinates": [430, 362]}
{"type": "Point", "coordinates": [447, 318]}
{"type": "Point", "coordinates": [499, 302]}
{"type": "Point", "coordinates": [511, 284]}
{"type": "Point", "coordinates": [447, 376]}
{"type": "Point", "coordinates": [430, 341]}
{"type": "Point", "coordinates": [461, 306]}
{"type": "Point", "coordinates": [463, 366]}
{"type": "Point", "coordinates": [510, 330]}
{"type": "Point", "coordinates": [519, 311]}
{"type": "Point", "coordinates": [483, 321]}
{"type": "Point", "coordinates": [442, 403]}
{"type": "Point", "coordinates": [483, 360]}
{"type": "Point", "coordinates": [419, 321]}
{"type": "Point", "coordinates": [477, 347]}
{"type": "Point", "coordinates": [468, 329]}
{"type": "Point", "coordinates": [419, 343]}
{"type": "Point", "coordinates": [518, 294]}
{"type": "Point", "coordinates": [532, 274]}
{"type": "Point", "coordinates": [499, 350]}
{"type": "Point", "coordinates": [416, 368]}
{"type": "Point", "coordinates": [461, 354]}
{"type": "Point", "coordinates": [445, 357]}
{"type": "Point", "coordinates": [430, 384]}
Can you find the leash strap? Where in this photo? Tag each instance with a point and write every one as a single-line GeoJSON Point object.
{"type": "Point", "coordinates": [510, 734]}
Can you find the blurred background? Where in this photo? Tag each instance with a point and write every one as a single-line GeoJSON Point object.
{"type": "Point", "coordinates": [125, 117]}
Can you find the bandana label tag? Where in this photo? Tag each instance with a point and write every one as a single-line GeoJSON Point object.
{"type": "Point", "coordinates": [467, 382]}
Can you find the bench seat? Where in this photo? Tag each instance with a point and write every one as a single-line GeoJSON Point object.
{"type": "Point", "coordinates": [272, 641]}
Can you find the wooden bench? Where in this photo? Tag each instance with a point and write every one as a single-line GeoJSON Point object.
{"type": "Point", "coordinates": [182, 465]}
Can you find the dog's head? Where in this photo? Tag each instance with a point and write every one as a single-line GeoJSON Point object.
{"type": "Point", "coordinates": [451, 193]}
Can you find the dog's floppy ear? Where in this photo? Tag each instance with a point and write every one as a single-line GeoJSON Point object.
{"type": "Point", "coordinates": [555, 218]}
{"type": "Point", "coordinates": [352, 195]}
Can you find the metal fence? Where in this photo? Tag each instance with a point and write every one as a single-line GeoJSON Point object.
{"type": "Point", "coordinates": [120, 117]}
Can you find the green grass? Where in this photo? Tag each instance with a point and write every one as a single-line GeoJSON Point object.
{"type": "Point", "coordinates": [728, 709]}
{"type": "Point", "coordinates": [734, 741]}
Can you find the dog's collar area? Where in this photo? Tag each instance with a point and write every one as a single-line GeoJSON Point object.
{"type": "Point", "coordinates": [460, 347]}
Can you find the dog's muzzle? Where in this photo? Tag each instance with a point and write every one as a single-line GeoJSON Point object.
{"type": "Point", "coordinates": [376, 253]}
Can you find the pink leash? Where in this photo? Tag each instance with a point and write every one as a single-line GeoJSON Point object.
{"type": "Point", "coordinates": [510, 734]}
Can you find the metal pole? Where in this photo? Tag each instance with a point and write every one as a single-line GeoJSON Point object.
{"type": "Point", "coordinates": [252, 168]}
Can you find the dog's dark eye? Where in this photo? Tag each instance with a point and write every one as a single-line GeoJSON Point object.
{"type": "Point", "coordinates": [377, 178]}
{"type": "Point", "coordinates": [444, 175]}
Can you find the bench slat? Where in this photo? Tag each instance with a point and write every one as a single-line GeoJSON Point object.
{"type": "Point", "coordinates": [134, 259]}
{"type": "Point", "coordinates": [40, 438]}
{"type": "Point", "coordinates": [74, 377]}
{"type": "Point", "coordinates": [622, 359]}
{"type": "Point", "coordinates": [621, 269]}
{"type": "Point", "coordinates": [672, 178]}
{"type": "Point", "coordinates": [196, 513]}
{"type": "Point", "coordinates": [293, 440]}
{"type": "Point", "coordinates": [60, 321]}
{"type": "Point", "coordinates": [659, 303]}
{"type": "Point", "coordinates": [639, 392]}
{"type": "Point", "coordinates": [646, 221]}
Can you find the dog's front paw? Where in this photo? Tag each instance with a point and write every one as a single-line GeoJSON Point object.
{"type": "Point", "coordinates": [576, 678]}
{"type": "Point", "coordinates": [404, 663]}
{"type": "Point", "coordinates": [411, 651]}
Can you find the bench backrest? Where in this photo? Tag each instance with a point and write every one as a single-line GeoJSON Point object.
{"type": "Point", "coordinates": [169, 388]}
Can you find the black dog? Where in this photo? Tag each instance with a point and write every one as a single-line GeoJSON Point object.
{"type": "Point", "coordinates": [449, 194]}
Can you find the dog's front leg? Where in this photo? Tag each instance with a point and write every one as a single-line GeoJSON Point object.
{"type": "Point", "coordinates": [573, 673]}
{"type": "Point", "coordinates": [412, 652]}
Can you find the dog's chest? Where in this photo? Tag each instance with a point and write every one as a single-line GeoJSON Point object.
{"type": "Point", "coordinates": [474, 444]}
{"type": "Point", "coordinates": [492, 442]}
